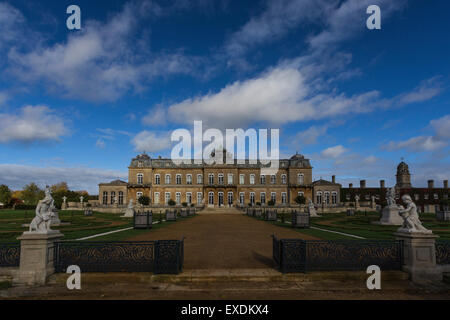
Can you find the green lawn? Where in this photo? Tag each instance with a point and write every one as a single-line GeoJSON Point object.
{"type": "Point", "coordinates": [80, 226]}
{"type": "Point", "coordinates": [360, 225]}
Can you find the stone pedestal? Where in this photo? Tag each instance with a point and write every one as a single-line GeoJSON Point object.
{"type": "Point", "coordinates": [390, 217]}
{"type": "Point", "coordinates": [37, 257]}
{"type": "Point", "coordinates": [419, 256]}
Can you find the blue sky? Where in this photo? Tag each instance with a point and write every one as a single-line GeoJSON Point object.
{"type": "Point", "coordinates": [76, 106]}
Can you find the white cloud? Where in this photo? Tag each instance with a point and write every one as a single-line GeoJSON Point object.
{"type": "Point", "coordinates": [100, 143]}
{"type": "Point", "coordinates": [31, 124]}
{"type": "Point", "coordinates": [434, 142]}
{"type": "Point", "coordinates": [155, 117]}
{"type": "Point", "coordinates": [333, 152]}
{"type": "Point", "coordinates": [78, 178]}
{"type": "Point", "coordinates": [149, 141]}
{"type": "Point", "coordinates": [370, 160]}
{"type": "Point", "coordinates": [11, 21]}
{"type": "Point", "coordinates": [103, 61]}
{"type": "Point", "coordinates": [310, 135]}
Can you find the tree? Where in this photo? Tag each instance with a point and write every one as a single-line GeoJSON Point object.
{"type": "Point", "coordinates": [271, 203]}
{"type": "Point", "coordinates": [59, 187]}
{"type": "Point", "coordinates": [5, 194]}
{"type": "Point", "coordinates": [144, 200]}
{"type": "Point", "coordinates": [31, 194]}
{"type": "Point", "coordinates": [171, 202]}
{"type": "Point", "coordinates": [300, 200]}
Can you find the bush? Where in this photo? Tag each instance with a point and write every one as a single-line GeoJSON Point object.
{"type": "Point", "coordinates": [271, 203]}
{"type": "Point", "coordinates": [258, 203]}
{"type": "Point", "coordinates": [192, 205]}
{"type": "Point", "coordinates": [24, 207]}
{"type": "Point", "coordinates": [184, 204]}
{"type": "Point", "coordinates": [249, 204]}
{"type": "Point", "coordinates": [171, 202]}
{"type": "Point", "coordinates": [300, 200]}
{"type": "Point", "coordinates": [144, 200]}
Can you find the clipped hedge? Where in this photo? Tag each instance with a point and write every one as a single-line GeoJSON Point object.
{"type": "Point", "coordinates": [24, 207]}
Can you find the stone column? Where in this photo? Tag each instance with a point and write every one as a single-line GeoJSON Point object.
{"type": "Point", "coordinates": [419, 256]}
{"type": "Point", "coordinates": [37, 257]}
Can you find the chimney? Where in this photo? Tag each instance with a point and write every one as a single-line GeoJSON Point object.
{"type": "Point", "coordinates": [430, 184]}
{"type": "Point", "coordinates": [445, 184]}
{"type": "Point", "coordinates": [333, 178]}
{"type": "Point", "coordinates": [362, 184]}
{"type": "Point", "coordinates": [382, 185]}
{"type": "Point", "coordinates": [350, 185]}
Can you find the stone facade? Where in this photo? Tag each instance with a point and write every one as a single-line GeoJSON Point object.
{"type": "Point", "coordinates": [326, 193]}
{"type": "Point", "coordinates": [211, 185]}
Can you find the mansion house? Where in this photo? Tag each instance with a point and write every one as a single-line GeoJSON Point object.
{"type": "Point", "coordinates": [214, 185]}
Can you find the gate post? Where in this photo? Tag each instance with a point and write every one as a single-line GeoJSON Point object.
{"type": "Point", "coordinates": [37, 255]}
{"type": "Point", "coordinates": [419, 256]}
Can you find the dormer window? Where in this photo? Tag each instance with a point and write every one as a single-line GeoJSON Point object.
{"type": "Point", "coordinates": [140, 178]}
{"type": "Point", "coordinates": [140, 164]}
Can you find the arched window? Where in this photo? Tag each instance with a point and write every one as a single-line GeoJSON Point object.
{"type": "Point", "coordinates": [334, 197]}
{"type": "Point", "coordinates": [178, 178]}
{"type": "Point", "coordinates": [211, 178]}
{"type": "Point", "coordinates": [156, 197]}
{"type": "Point", "coordinates": [178, 197]}
{"type": "Point", "coordinates": [113, 197]}
{"type": "Point", "coordinates": [211, 198]}
{"type": "Point", "coordinates": [273, 179]}
{"type": "Point", "coordinates": [167, 178]}
{"type": "Point", "coordinates": [157, 179]}
{"type": "Point", "coordinates": [252, 179]}
{"type": "Point", "coordinates": [189, 179]}
{"type": "Point", "coordinates": [283, 198]}
{"type": "Point", "coordinates": [220, 178]}
{"type": "Point", "coordinates": [319, 197]}
{"type": "Point", "coordinates": [140, 178]}
{"type": "Point", "coordinates": [199, 179]}
{"type": "Point", "coordinates": [262, 178]}
{"type": "Point", "coordinates": [327, 197]}
{"type": "Point", "coordinates": [120, 197]}
{"type": "Point", "coordinates": [300, 178]}
{"type": "Point", "coordinates": [283, 179]}
{"type": "Point", "coordinates": [105, 197]}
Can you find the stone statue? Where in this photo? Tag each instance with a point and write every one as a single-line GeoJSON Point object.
{"type": "Point", "coordinates": [312, 209]}
{"type": "Point", "coordinates": [390, 196]}
{"type": "Point", "coordinates": [64, 204]}
{"type": "Point", "coordinates": [81, 199]}
{"type": "Point", "coordinates": [356, 201]}
{"type": "Point", "coordinates": [129, 212]}
{"type": "Point", "coordinates": [44, 214]}
{"type": "Point", "coordinates": [411, 221]}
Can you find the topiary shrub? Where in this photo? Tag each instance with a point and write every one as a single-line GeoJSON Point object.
{"type": "Point", "coordinates": [171, 202]}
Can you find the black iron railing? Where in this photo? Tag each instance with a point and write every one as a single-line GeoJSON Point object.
{"type": "Point", "coordinates": [162, 256]}
{"type": "Point", "coordinates": [9, 254]}
{"type": "Point", "coordinates": [297, 255]}
{"type": "Point", "coordinates": [443, 252]}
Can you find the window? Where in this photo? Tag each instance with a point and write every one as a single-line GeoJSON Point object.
{"type": "Point", "coordinates": [178, 178]}
{"type": "Point", "coordinates": [120, 197]}
{"type": "Point", "coordinates": [347, 196]}
{"type": "Point", "coordinates": [199, 198]}
{"type": "Point", "coordinates": [262, 178]}
{"type": "Point", "coordinates": [319, 197]}
{"type": "Point", "coordinates": [263, 198]}
{"type": "Point", "coordinates": [166, 197]}
{"type": "Point", "coordinates": [273, 179]}
{"type": "Point", "coordinates": [156, 197]}
{"type": "Point", "coordinates": [199, 179]}
{"type": "Point", "coordinates": [211, 198]}
{"type": "Point", "coordinates": [252, 198]}
{"type": "Point", "coordinates": [138, 195]}
{"type": "Point", "coordinates": [140, 178]}
{"type": "Point", "coordinates": [157, 179]}
{"type": "Point", "coordinates": [273, 197]}
{"type": "Point", "coordinates": [140, 164]}
{"type": "Point", "coordinates": [220, 178]}
{"type": "Point", "coordinates": [367, 196]}
{"type": "Point", "coordinates": [436, 197]}
{"type": "Point", "coordinates": [189, 198]}
{"type": "Point", "coordinates": [300, 178]}
{"type": "Point", "coordinates": [113, 197]}
{"type": "Point", "coordinates": [189, 179]}
{"type": "Point", "coordinates": [252, 179]}
{"type": "Point", "coordinates": [334, 197]}
{"type": "Point", "coordinates": [105, 197]}
{"type": "Point", "coordinates": [241, 178]}
{"type": "Point", "coordinates": [327, 197]}
{"type": "Point", "coordinates": [211, 178]}
{"type": "Point", "coordinates": [283, 179]}
{"type": "Point", "coordinates": [425, 196]}
{"type": "Point", "coordinates": [241, 198]}
{"type": "Point", "coordinates": [283, 198]}
{"type": "Point", "coordinates": [178, 197]}
{"type": "Point", "coordinates": [416, 197]}
{"type": "Point", "coordinates": [230, 178]}
{"type": "Point", "coordinates": [167, 178]}
{"type": "Point", "coordinates": [230, 198]}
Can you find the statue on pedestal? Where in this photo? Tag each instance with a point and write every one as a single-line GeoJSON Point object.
{"type": "Point", "coordinates": [129, 212]}
{"type": "Point", "coordinates": [356, 201]}
{"type": "Point", "coordinates": [64, 204]}
{"type": "Point", "coordinates": [312, 209]}
{"type": "Point", "coordinates": [45, 211]}
{"type": "Point", "coordinates": [390, 213]}
{"type": "Point", "coordinates": [411, 221]}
